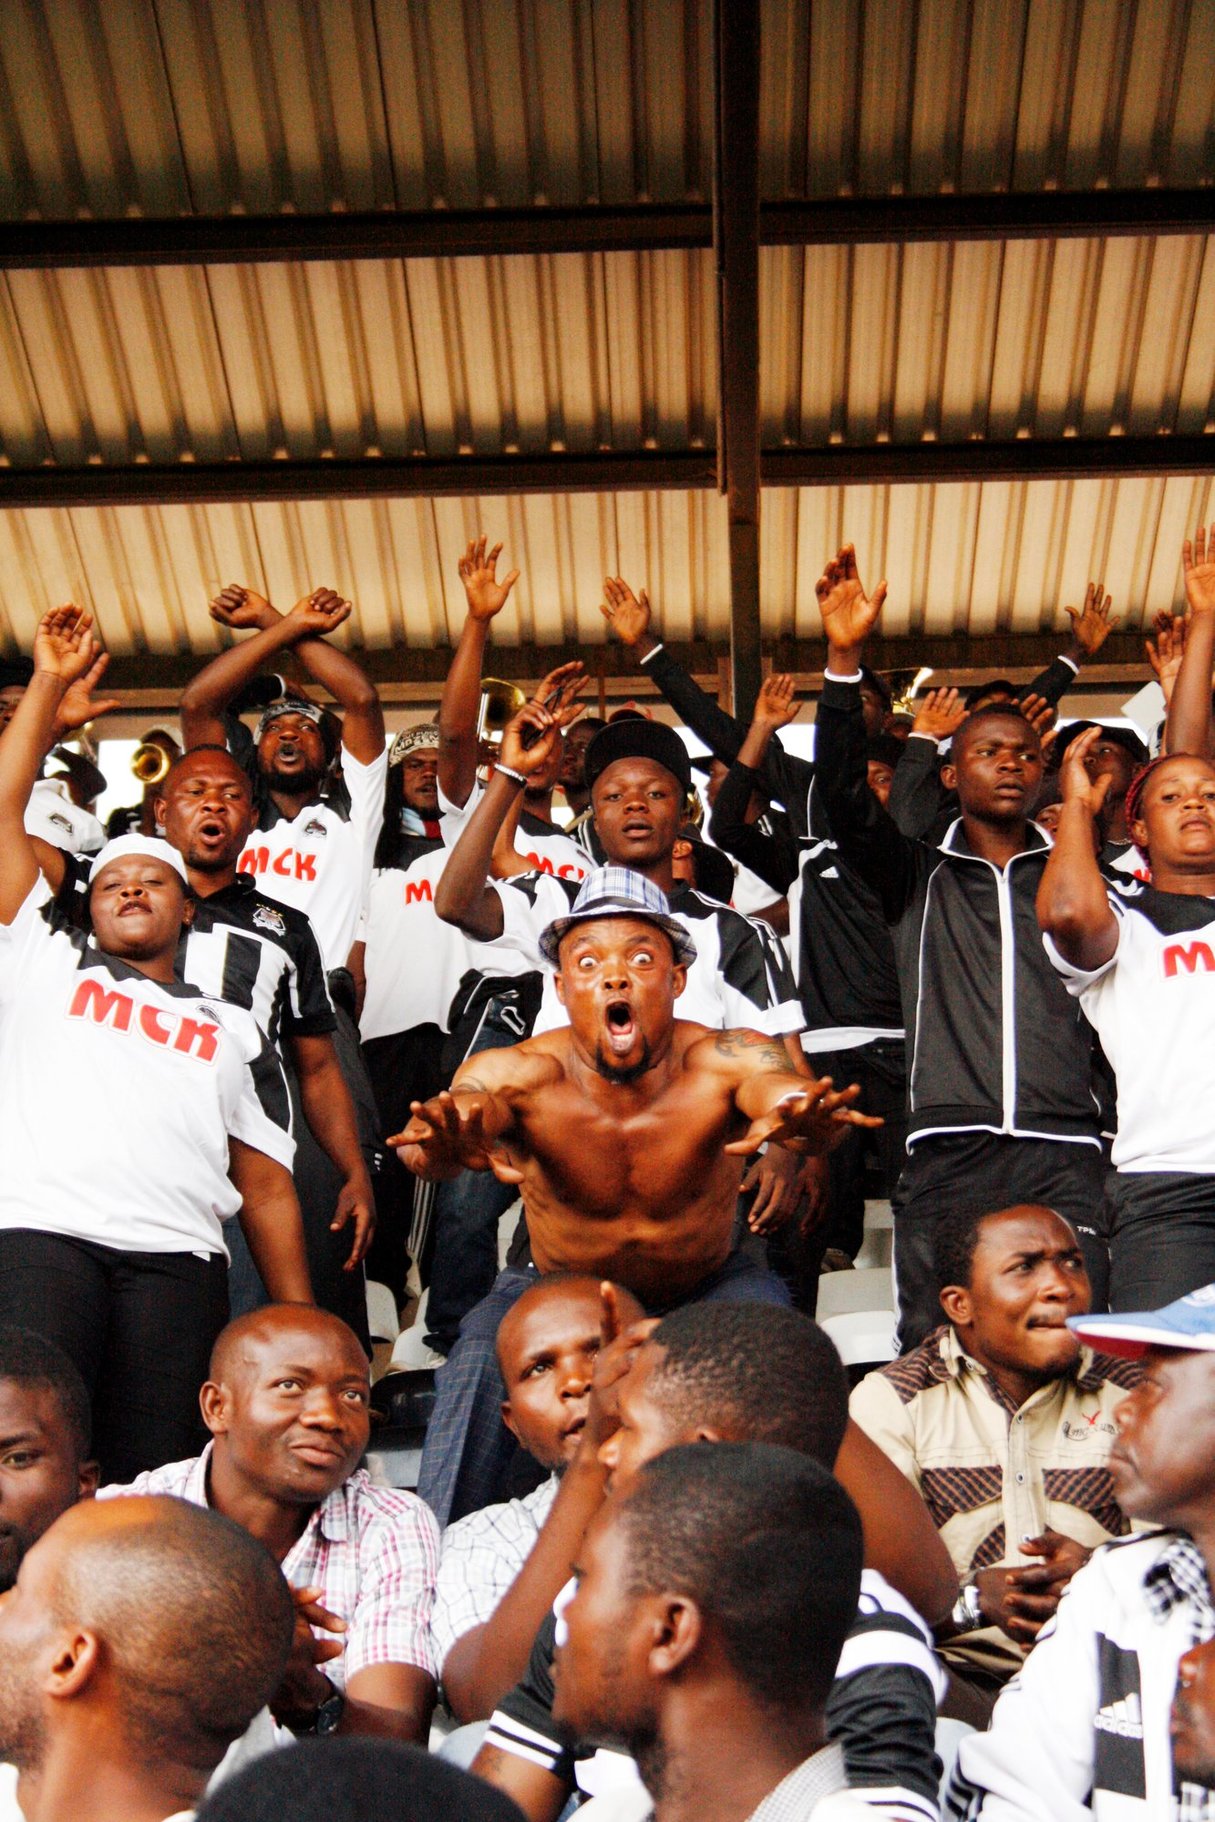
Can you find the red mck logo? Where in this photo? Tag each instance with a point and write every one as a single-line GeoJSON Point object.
{"type": "Point", "coordinates": [290, 864]}
{"type": "Point", "coordinates": [1188, 958]}
{"type": "Point", "coordinates": [170, 1030]}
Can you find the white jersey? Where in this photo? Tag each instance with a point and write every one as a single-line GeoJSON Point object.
{"type": "Point", "coordinates": [118, 1095]}
{"type": "Point", "coordinates": [414, 962]}
{"type": "Point", "coordinates": [542, 845]}
{"type": "Point", "coordinates": [740, 978]}
{"type": "Point", "coordinates": [1153, 1007]}
{"type": "Point", "coordinates": [320, 860]}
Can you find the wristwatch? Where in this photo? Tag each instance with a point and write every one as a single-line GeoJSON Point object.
{"type": "Point", "coordinates": [967, 1615]}
{"type": "Point", "coordinates": [326, 1718]}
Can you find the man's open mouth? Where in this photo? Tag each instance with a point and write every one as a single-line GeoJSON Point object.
{"type": "Point", "coordinates": [621, 1029]}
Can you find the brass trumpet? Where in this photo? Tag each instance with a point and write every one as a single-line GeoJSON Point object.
{"type": "Point", "coordinates": [150, 762]}
{"type": "Point", "coordinates": [500, 703]}
{"type": "Point", "coordinates": [905, 686]}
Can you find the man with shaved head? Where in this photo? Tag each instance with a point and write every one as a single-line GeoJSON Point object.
{"type": "Point", "coordinates": [287, 1404]}
{"type": "Point", "coordinates": [123, 1678]}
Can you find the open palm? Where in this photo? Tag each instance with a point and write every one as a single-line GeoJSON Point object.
{"type": "Point", "coordinates": [849, 614]}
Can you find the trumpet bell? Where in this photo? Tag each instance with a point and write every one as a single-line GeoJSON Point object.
{"type": "Point", "coordinates": [500, 702]}
{"type": "Point", "coordinates": [150, 763]}
{"type": "Point", "coordinates": [905, 686]}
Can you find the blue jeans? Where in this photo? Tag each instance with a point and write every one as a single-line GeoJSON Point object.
{"type": "Point", "coordinates": [468, 1449]}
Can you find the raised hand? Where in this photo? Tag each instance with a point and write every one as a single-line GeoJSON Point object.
{"type": "Point", "coordinates": [560, 690]}
{"type": "Point", "coordinates": [849, 614]}
{"type": "Point", "coordinates": [776, 705]}
{"type": "Point", "coordinates": [812, 1119]}
{"type": "Point", "coordinates": [939, 714]}
{"type": "Point", "coordinates": [319, 613]}
{"type": "Point", "coordinates": [1198, 567]}
{"type": "Point", "coordinates": [1074, 778]}
{"type": "Point", "coordinates": [1040, 714]}
{"type": "Point", "coordinates": [1166, 650]}
{"type": "Point", "coordinates": [64, 645]}
{"type": "Point", "coordinates": [478, 572]}
{"type": "Point", "coordinates": [627, 614]}
{"type": "Point", "coordinates": [1091, 624]}
{"type": "Point", "coordinates": [78, 706]}
{"type": "Point", "coordinates": [618, 1347]}
{"type": "Point", "coordinates": [243, 609]}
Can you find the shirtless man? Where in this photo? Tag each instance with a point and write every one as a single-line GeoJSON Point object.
{"type": "Point", "coordinates": [626, 1132]}
{"type": "Point", "coordinates": [613, 1126]}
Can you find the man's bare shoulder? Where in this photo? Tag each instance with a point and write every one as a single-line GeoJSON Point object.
{"type": "Point", "coordinates": [520, 1067]}
{"type": "Point", "coordinates": [738, 1052]}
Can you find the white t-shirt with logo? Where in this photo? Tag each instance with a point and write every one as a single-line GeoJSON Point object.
{"type": "Point", "coordinates": [118, 1095]}
{"type": "Point", "coordinates": [1153, 1007]}
{"type": "Point", "coordinates": [320, 861]}
{"type": "Point", "coordinates": [51, 815]}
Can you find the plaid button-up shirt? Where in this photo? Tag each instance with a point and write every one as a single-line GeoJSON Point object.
{"type": "Point", "coordinates": [373, 1550]}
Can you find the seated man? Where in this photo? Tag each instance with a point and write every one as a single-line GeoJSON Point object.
{"type": "Point", "coordinates": [1004, 1422]}
{"type": "Point", "coordinates": [713, 1600]}
{"type": "Point", "coordinates": [502, 1567]}
{"type": "Point", "coordinates": [355, 1781]}
{"type": "Point", "coordinates": [625, 1131]}
{"type": "Point", "coordinates": [44, 1443]}
{"type": "Point", "coordinates": [748, 1373]}
{"type": "Point", "coordinates": [140, 1640]}
{"type": "Point", "coordinates": [1083, 1731]}
{"type": "Point", "coordinates": [287, 1404]}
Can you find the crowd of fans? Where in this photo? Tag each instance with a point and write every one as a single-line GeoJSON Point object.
{"type": "Point", "coordinates": [611, 1068]}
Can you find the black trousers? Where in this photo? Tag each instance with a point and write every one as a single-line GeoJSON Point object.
{"type": "Point", "coordinates": [140, 1328]}
{"type": "Point", "coordinates": [402, 1068]}
{"type": "Point", "coordinates": [982, 1172]}
{"type": "Point", "coordinates": [1161, 1231]}
{"type": "Point", "coordinates": [880, 1069]}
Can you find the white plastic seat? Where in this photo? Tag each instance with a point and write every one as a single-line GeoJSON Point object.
{"type": "Point", "coordinates": [871, 1288]}
{"type": "Point", "coordinates": [862, 1337]}
{"type": "Point", "coordinates": [382, 1318]}
{"type": "Point", "coordinates": [409, 1350]}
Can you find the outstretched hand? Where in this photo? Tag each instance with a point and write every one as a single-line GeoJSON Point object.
{"type": "Point", "coordinates": [811, 1119]}
{"type": "Point", "coordinates": [478, 571]}
{"type": "Point", "coordinates": [529, 738]}
{"type": "Point", "coordinates": [447, 1134]}
{"type": "Point", "coordinates": [776, 705]}
{"type": "Point", "coordinates": [1166, 650]}
{"type": "Point", "coordinates": [78, 706]}
{"type": "Point", "coordinates": [1198, 567]}
{"type": "Point", "coordinates": [1040, 714]}
{"type": "Point", "coordinates": [64, 645]}
{"type": "Point", "coordinates": [939, 714]}
{"type": "Point", "coordinates": [1091, 624]}
{"type": "Point", "coordinates": [627, 614]}
{"type": "Point", "coordinates": [849, 614]}
{"type": "Point", "coordinates": [1074, 778]}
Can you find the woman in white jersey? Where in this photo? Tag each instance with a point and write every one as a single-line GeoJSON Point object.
{"type": "Point", "coordinates": [1141, 960]}
{"type": "Point", "coordinates": [135, 1116]}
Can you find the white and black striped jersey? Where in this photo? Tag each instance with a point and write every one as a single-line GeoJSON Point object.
{"type": "Point", "coordinates": [882, 1709]}
{"type": "Point", "coordinates": [118, 1094]}
{"type": "Point", "coordinates": [739, 980]}
{"type": "Point", "coordinates": [1081, 1734]}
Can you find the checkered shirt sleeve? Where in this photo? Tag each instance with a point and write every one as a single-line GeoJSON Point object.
{"type": "Point", "coordinates": [375, 1553]}
{"type": "Point", "coordinates": [482, 1555]}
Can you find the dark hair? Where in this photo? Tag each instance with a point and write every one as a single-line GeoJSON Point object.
{"type": "Point", "coordinates": [196, 1621]}
{"type": "Point", "coordinates": [954, 1245]}
{"type": "Point", "coordinates": [16, 673]}
{"type": "Point", "coordinates": [884, 749]}
{"type": "Point", "coordinates": [352, 1780]}
{"type": "Point", "coordinates": [877, 682]}
{"type": "Point", "coordinates": [204, 746]}
{"type": "Point", "coordinates": [27, 1359]}
{"type": "Point", "coordinates": [768, 1373]}
{"type": "Point", "coordinates": [769, 1547]}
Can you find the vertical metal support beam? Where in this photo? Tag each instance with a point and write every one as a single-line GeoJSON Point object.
{"type": "Point", "coordinates": [736, 245]}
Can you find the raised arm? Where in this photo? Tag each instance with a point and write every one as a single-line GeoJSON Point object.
{"type": "Point", "coordinates": [461, 700]}
{"type": "Point", "coordinates": [347, 682]}
{"type": "Point", "coordinates": [64, 652]}
{"type": "Point", "coordinates": [802, 1112]}
{"type": "Point", "coordinates": [1073, 908]}
{"type": "Point", "coordinates": [465, 1128]}
{"type": "Point", "coordinates": [464, 896]}
{"type": "Point", "coordinates": [1092, 625]}
{"type": "Point", "coordinates": [774, 862]}
{"type": "Point", "coordinates": [1188, 728]}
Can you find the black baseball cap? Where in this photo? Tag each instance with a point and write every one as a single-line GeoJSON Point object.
{"type": "Point", "coordinates": [1121, 736]}
{"type": "Point", "coordinates": [638, 740]}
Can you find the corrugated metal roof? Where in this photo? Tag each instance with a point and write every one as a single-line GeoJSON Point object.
{"type": "Point", "coordinates": [163, 106]}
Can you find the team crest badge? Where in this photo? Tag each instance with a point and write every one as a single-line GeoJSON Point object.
{"type": "Point", "coordinates": [315, 828]}
{"type": "Point", "coordinates": [267, 918]}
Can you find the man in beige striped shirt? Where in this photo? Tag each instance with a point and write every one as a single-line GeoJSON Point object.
{"type": "Point", "coordinates": [1003, 1421]}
